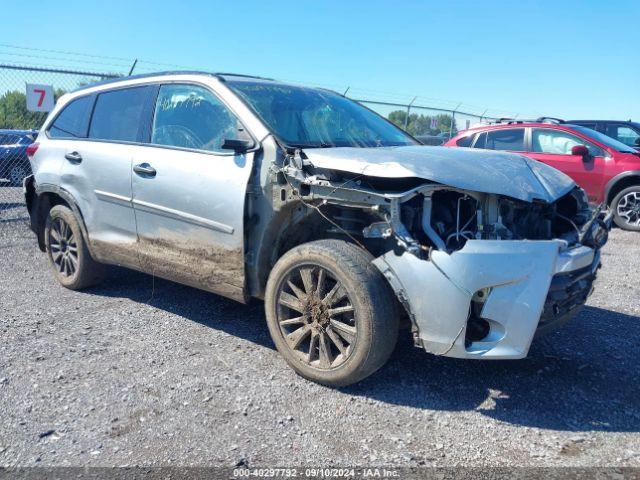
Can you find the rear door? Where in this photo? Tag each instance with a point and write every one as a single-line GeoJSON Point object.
{"type": "Point", "coordinates": [553, 147]}
{"type": "Point", "coordinates": [97, 171]}
{"type": "Point", "coordinates": [189, 192]}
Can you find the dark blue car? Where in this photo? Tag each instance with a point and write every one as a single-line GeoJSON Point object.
{"type": "Point", "coordinates": [14, 164]}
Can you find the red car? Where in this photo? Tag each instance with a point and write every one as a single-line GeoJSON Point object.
{"type": "Point", "coordinates": [608, 170]}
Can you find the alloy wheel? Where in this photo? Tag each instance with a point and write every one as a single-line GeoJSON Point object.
{"type": "Point", "coordinates": [64, 248]}
{"type": "Point", "coordinates": [316, 317]}
{"type": "Point", "coordinates": [629, 208]}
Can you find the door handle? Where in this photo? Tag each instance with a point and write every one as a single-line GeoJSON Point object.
{"type": "Point", "coordinates": [73, 157]}
{"type": "Point", "coordinates": [145, 170]}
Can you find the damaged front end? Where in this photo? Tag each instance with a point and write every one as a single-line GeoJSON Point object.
{"type": "Point", "coordinates": [479, 273]}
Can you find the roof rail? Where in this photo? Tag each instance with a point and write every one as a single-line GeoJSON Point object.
{"type": "Point", "coordinates": [510, 120]}
{"type": "Point", "coordinates": [549, 120]}
{"type": "Point", "coordinates": [220, 76]}
{"type": "Point", "coordinates": [242, 75]}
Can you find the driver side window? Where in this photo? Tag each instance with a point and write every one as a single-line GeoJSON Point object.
{"type": "Point", "coordinates": [190, 116]}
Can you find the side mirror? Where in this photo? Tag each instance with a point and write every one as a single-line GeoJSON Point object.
{"type": "Point", "coordinates": [581, 151]}
{"type": "Point", "coordinates": [637, 142]}
{"type": "Point", "coordinates": [238, 146]}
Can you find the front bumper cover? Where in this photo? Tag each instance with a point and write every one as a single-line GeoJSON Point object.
{"type": "Point", "coordinates": [513, 278]}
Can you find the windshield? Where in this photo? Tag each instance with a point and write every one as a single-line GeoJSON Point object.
{"type": "Point", "coordinates": [604, 139]}
{"type": "Point", "coordinates": [310, 118]}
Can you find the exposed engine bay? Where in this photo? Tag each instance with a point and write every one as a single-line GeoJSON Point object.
{"type": "Point", "coordinates": [429, 215]}
{"type": "Point", "coordinates": [477, 272]}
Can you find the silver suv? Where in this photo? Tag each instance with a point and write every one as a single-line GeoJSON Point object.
{"type": "Point", "coordinates": [345, 225]}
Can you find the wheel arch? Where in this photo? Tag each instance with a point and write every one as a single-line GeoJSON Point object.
{"type": "Point", "coordinates": [619, 183]}
{"type": "Point", "coordinates": [291, 226]}
{"type": "Point", "coordinates": [41, 199]}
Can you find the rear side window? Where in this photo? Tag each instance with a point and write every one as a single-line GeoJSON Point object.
{"type": "Point", "coordinates": [512, 140]}
{"type": "Point", "coordinates": [119, 114]}
{"type": "Point", "coordinates": [73, 120]}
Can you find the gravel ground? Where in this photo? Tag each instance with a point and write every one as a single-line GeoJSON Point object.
{"type": "Point", "coordinates": [144, 372]}
{"type": "Point", "coordinates": [12, 206]}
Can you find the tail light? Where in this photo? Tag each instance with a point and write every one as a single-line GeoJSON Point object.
{"type": "Point", "coordinates": [32, 149]}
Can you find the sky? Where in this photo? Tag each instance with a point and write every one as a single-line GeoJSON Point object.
{"type": "Point", "coordinates": [568, 59]}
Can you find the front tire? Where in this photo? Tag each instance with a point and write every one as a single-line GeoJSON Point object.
{"type": "Point", "coordinates": [330, 312]}
{"type": "Point", "coordinates": [68, 254]}
{"type": "Point", "coordinates": [626, 208]}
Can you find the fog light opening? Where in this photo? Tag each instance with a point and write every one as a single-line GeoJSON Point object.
{"type": "Point", "coordinates": [477, 330]}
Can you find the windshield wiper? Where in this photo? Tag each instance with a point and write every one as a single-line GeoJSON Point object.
{"type": "Point", "coordinates": [311, 145]}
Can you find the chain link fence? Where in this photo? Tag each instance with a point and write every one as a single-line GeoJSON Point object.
{"type": "Point", "coordinates": [19, 127]}
{"type": "Point", "coordinates": [430, 125]}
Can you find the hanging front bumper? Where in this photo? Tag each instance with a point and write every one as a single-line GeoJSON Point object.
{"type": "Point", "coordinates": [509, 287]}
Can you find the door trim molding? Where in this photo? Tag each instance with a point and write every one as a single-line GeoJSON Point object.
{"type": "Point", "coordinates": [113, 198]}
{"type": "Point", "coordinates": [183, 216]}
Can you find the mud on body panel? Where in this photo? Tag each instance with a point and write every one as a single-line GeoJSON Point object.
{"type": "Point", "coordinates": [213, 268]}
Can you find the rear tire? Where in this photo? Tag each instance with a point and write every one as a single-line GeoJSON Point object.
{"type": "Point", "coordinates": [330, 312]}
{"type": "Point", "coordinates": [626, 209]}
{"type": "Point", "coordinates": [68, 255]}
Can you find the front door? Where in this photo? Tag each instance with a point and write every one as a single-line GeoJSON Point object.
{"type": "Point", "coordinates": [553, 147]}
{"type": "Point", "coordinates": [189, 192]}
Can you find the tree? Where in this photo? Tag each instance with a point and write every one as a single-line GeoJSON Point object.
{"type": "Point", "coordinates": [419, 124]}
{"type": "Point", "coordinates": [14, 114]}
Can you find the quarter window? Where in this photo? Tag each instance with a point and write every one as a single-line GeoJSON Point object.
{"type": "Point", "coordinates": [73, 120]}
{"type": "Point", "coordinates": [119, 114]}
{"type": "Point", "coordinates": [560, 143]}
{"type": "Point", "coordinates": [189, 116]}
{"type": "Point", "coordinates": [464, 141]}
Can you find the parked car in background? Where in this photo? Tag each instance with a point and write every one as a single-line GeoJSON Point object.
{"type": "Point", "coordinates": [338, 219]}
{"type": "Point", "coordinates": [14, 163]}
{"type": "Point", "coordinates": [435, 140]}
{"type": "Point", "coordinates": [607, 169]}
{"type": "Point", "coordinates": [625, 132]}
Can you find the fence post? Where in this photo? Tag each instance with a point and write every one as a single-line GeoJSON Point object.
{"type": "Point", "coordinates": [406, 120]}
{"type": "Point", "coordinates": [135, 62]}
{"type": "Point", "coordinates": [453, 119]}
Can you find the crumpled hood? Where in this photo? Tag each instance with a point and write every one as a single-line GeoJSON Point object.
{"type": "Point", "coordinates": [484, 171]}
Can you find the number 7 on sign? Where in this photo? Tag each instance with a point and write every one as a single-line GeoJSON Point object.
{"type": "Point", "coordinates": [42, 93]}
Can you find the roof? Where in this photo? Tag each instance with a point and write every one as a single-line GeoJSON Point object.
{"type": "Point", "coordinates": [222, 76]}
